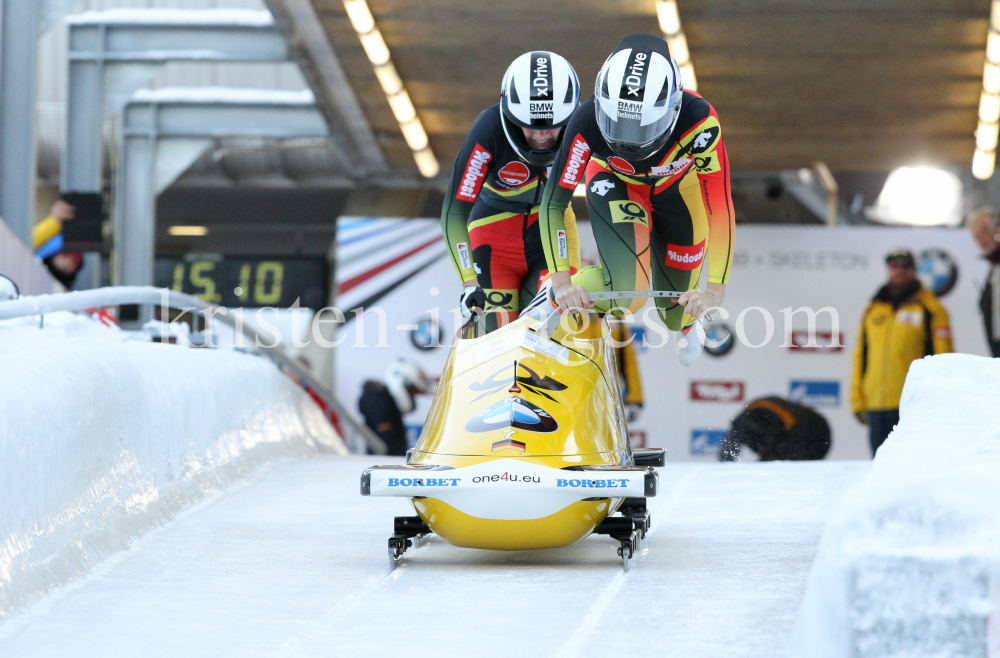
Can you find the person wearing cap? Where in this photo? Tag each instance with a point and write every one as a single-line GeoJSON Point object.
{"type": "Point", "coordinates": [904, 322]}
{"type": "Point", "coordinates": [985, 230]}
{"type": "Point", "coordinates": [383, 404]}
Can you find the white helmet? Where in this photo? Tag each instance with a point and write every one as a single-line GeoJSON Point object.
{"type": "Point", "coordinates": [540, 90]}
{"type": "Point", "coordinates": [8, 289]}
{"type": "Point", "coordinates": [403, 379]}
{"type": "Point", "coordinates": [638, 93]}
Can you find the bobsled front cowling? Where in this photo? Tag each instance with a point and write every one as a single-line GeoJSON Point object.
{"type": "Point", "coordinates": [563, 403]}
{"type": "Point", "coordinates": [514, 394]}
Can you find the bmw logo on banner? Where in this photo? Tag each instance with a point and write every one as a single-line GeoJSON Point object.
{"type": "Point", "coordinates": [719, 340]}
{"type": "Point", "coordinates": [427, 333]}
{"type": "Point", "coordinates": [512, 412]}
{"type": "Point", "coordinates": [937, 271]}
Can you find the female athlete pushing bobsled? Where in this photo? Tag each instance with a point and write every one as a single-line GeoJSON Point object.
{"type": "Point", "coordinates": [525, 445]}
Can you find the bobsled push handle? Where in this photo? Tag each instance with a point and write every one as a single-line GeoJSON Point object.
{"type": "Point", "coordinates": [632, 294]}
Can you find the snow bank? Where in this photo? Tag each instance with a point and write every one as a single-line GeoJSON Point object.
{"type": "Point", "coordinates": [103, 438]}
{"type": "Point", "coordinates": [909, 562]}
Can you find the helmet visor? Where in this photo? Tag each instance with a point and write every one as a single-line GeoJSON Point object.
{"type": "Point", "coordinates": [624, 124]}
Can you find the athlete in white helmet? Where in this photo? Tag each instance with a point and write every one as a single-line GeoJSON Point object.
{"type": "Point", "coordinates": [657, 178]}
{"type": "Point", "coordinates": [383, 405]}
{"type": "Point", "coordinates": [490, 212]}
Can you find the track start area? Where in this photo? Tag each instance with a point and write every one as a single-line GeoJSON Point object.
{"type": "Point", "coordinates": [294, 563]}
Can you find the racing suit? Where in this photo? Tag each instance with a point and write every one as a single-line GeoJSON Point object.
{"type": "Point", "coordinates": [490, 221]}
{"type": "Point", "coordinates": [653, 222]}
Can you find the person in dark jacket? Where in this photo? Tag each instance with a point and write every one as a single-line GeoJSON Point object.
{"type": "Point", "coordinates": [384, 404]}
{"type": "Point", "coordinates": [985, 230]}
{"type": "Point", "coordinates": [775, 429]}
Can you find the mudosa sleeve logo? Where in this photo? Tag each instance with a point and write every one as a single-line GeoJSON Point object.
{"type": "Point", "coordinates": [685, 258]}
{"type": "Point", "coordinates": [475, 174]}
{"type": "Point", "coordinates": [579, 153]}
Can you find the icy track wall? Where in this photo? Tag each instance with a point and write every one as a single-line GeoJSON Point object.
{"type": "Point", "coordinates": [103, 438]}
{"type": "Point", "coordinates": [909, 562]}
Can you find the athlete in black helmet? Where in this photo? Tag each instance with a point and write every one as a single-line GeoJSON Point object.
{"type": "Point", "coordinates": [490, 212]}
{"type": "Point", "coordinates": [657, 178]}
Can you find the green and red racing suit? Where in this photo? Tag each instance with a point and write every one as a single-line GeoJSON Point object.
{"type": "Point", "coordinates": [490, 220]}
{"type": "Point", "coordinates": [655, 222]}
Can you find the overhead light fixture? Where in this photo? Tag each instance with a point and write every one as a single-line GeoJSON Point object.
{"type": "Point", "coordinates": [919, 196]}
{"type": "Point", "coordinates": [984, 159]}
{"type": "Point", "coordinates": [670, 25]}
{"type": "Point", "coordinates": [188, 230]}
{"type": "Point", "coordinates": [402, 108]}
{"type": "Point", "coordinates": [983, 164]}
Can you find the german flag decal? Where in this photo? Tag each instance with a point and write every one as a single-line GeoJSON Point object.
{"type": "Point", "coordinates": [508, 444]}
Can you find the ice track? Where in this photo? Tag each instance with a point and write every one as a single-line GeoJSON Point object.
{"type": "Point", "coordinates": [294, 563]}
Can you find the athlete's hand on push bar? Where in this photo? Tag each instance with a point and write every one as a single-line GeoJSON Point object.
{"type": "Point", "coordinates": [570, 298]}
{"type": "Point", "coordinates": [697, 303]}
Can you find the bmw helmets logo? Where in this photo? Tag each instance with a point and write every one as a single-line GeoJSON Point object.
{"type": "Point", "coordinates": [427, 333]}
{"type": "Point", "coordinates": [719, 340]}
{"type": "Point", "coordinates": [937, 270]}
{"type": "Point", "coordinates": [512, 412]}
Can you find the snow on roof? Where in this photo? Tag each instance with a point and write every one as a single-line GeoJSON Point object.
{"type": "Point", "coordinates": [224, 95]}
{"type": "Point", "coordinates": [241, 17]}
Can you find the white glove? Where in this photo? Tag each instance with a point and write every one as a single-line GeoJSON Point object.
{"type": "Point", "coordinates": [472, 297]}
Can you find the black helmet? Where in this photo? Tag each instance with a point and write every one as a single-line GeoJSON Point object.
{"type": "Point", "coordinates": [540, 90]}
{"type": "Point", "coordinates": [638, 97]}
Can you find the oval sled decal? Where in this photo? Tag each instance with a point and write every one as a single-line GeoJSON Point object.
{"type": "Point", "coordinates": [512, 412]}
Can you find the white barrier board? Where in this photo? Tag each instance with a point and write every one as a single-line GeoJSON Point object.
{"type": "Point", "coordinates": [687, 410]}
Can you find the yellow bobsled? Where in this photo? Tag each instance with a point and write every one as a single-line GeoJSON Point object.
{"type": "Point", "coordinates": [525, 445]}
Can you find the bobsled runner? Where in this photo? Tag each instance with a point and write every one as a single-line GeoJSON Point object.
{"type": "Point", "coordinates": [525, 445]}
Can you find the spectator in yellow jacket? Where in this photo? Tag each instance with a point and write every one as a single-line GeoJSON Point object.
{"type": "Point", "coordinates": [903, 323]}
{"type": "Point", "coordinates": [47, 234]}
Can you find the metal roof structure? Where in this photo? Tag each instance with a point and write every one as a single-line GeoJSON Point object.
{"type": "Point", "coordinates": [859, 85]}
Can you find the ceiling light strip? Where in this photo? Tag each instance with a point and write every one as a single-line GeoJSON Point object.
{"type": "Point", "coordinates": [188, 230]}
{"type": "Point", "coordinates": [670, 25]}
{"type": "Point", "coordinates": [984, 160]}
{"type": "Point", "coordinates": [392, 85]}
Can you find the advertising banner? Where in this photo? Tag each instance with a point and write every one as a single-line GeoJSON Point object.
{"type": "Point", "coordinates": [783, 279]}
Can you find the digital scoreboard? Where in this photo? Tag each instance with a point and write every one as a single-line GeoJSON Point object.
{"type": "Point", "coordinates": [253, 282]}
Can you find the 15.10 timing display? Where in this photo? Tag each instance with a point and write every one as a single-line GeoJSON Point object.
{"type": "Point", "coordinates": [251, 282]}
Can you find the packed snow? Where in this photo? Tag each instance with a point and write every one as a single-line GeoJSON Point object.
{"type": "Point", "coordinates": [909, 564]}
{"type": "Point", "coordinates": [104, 436]}
{"type": "Point", "coordinates": [294, 564]}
